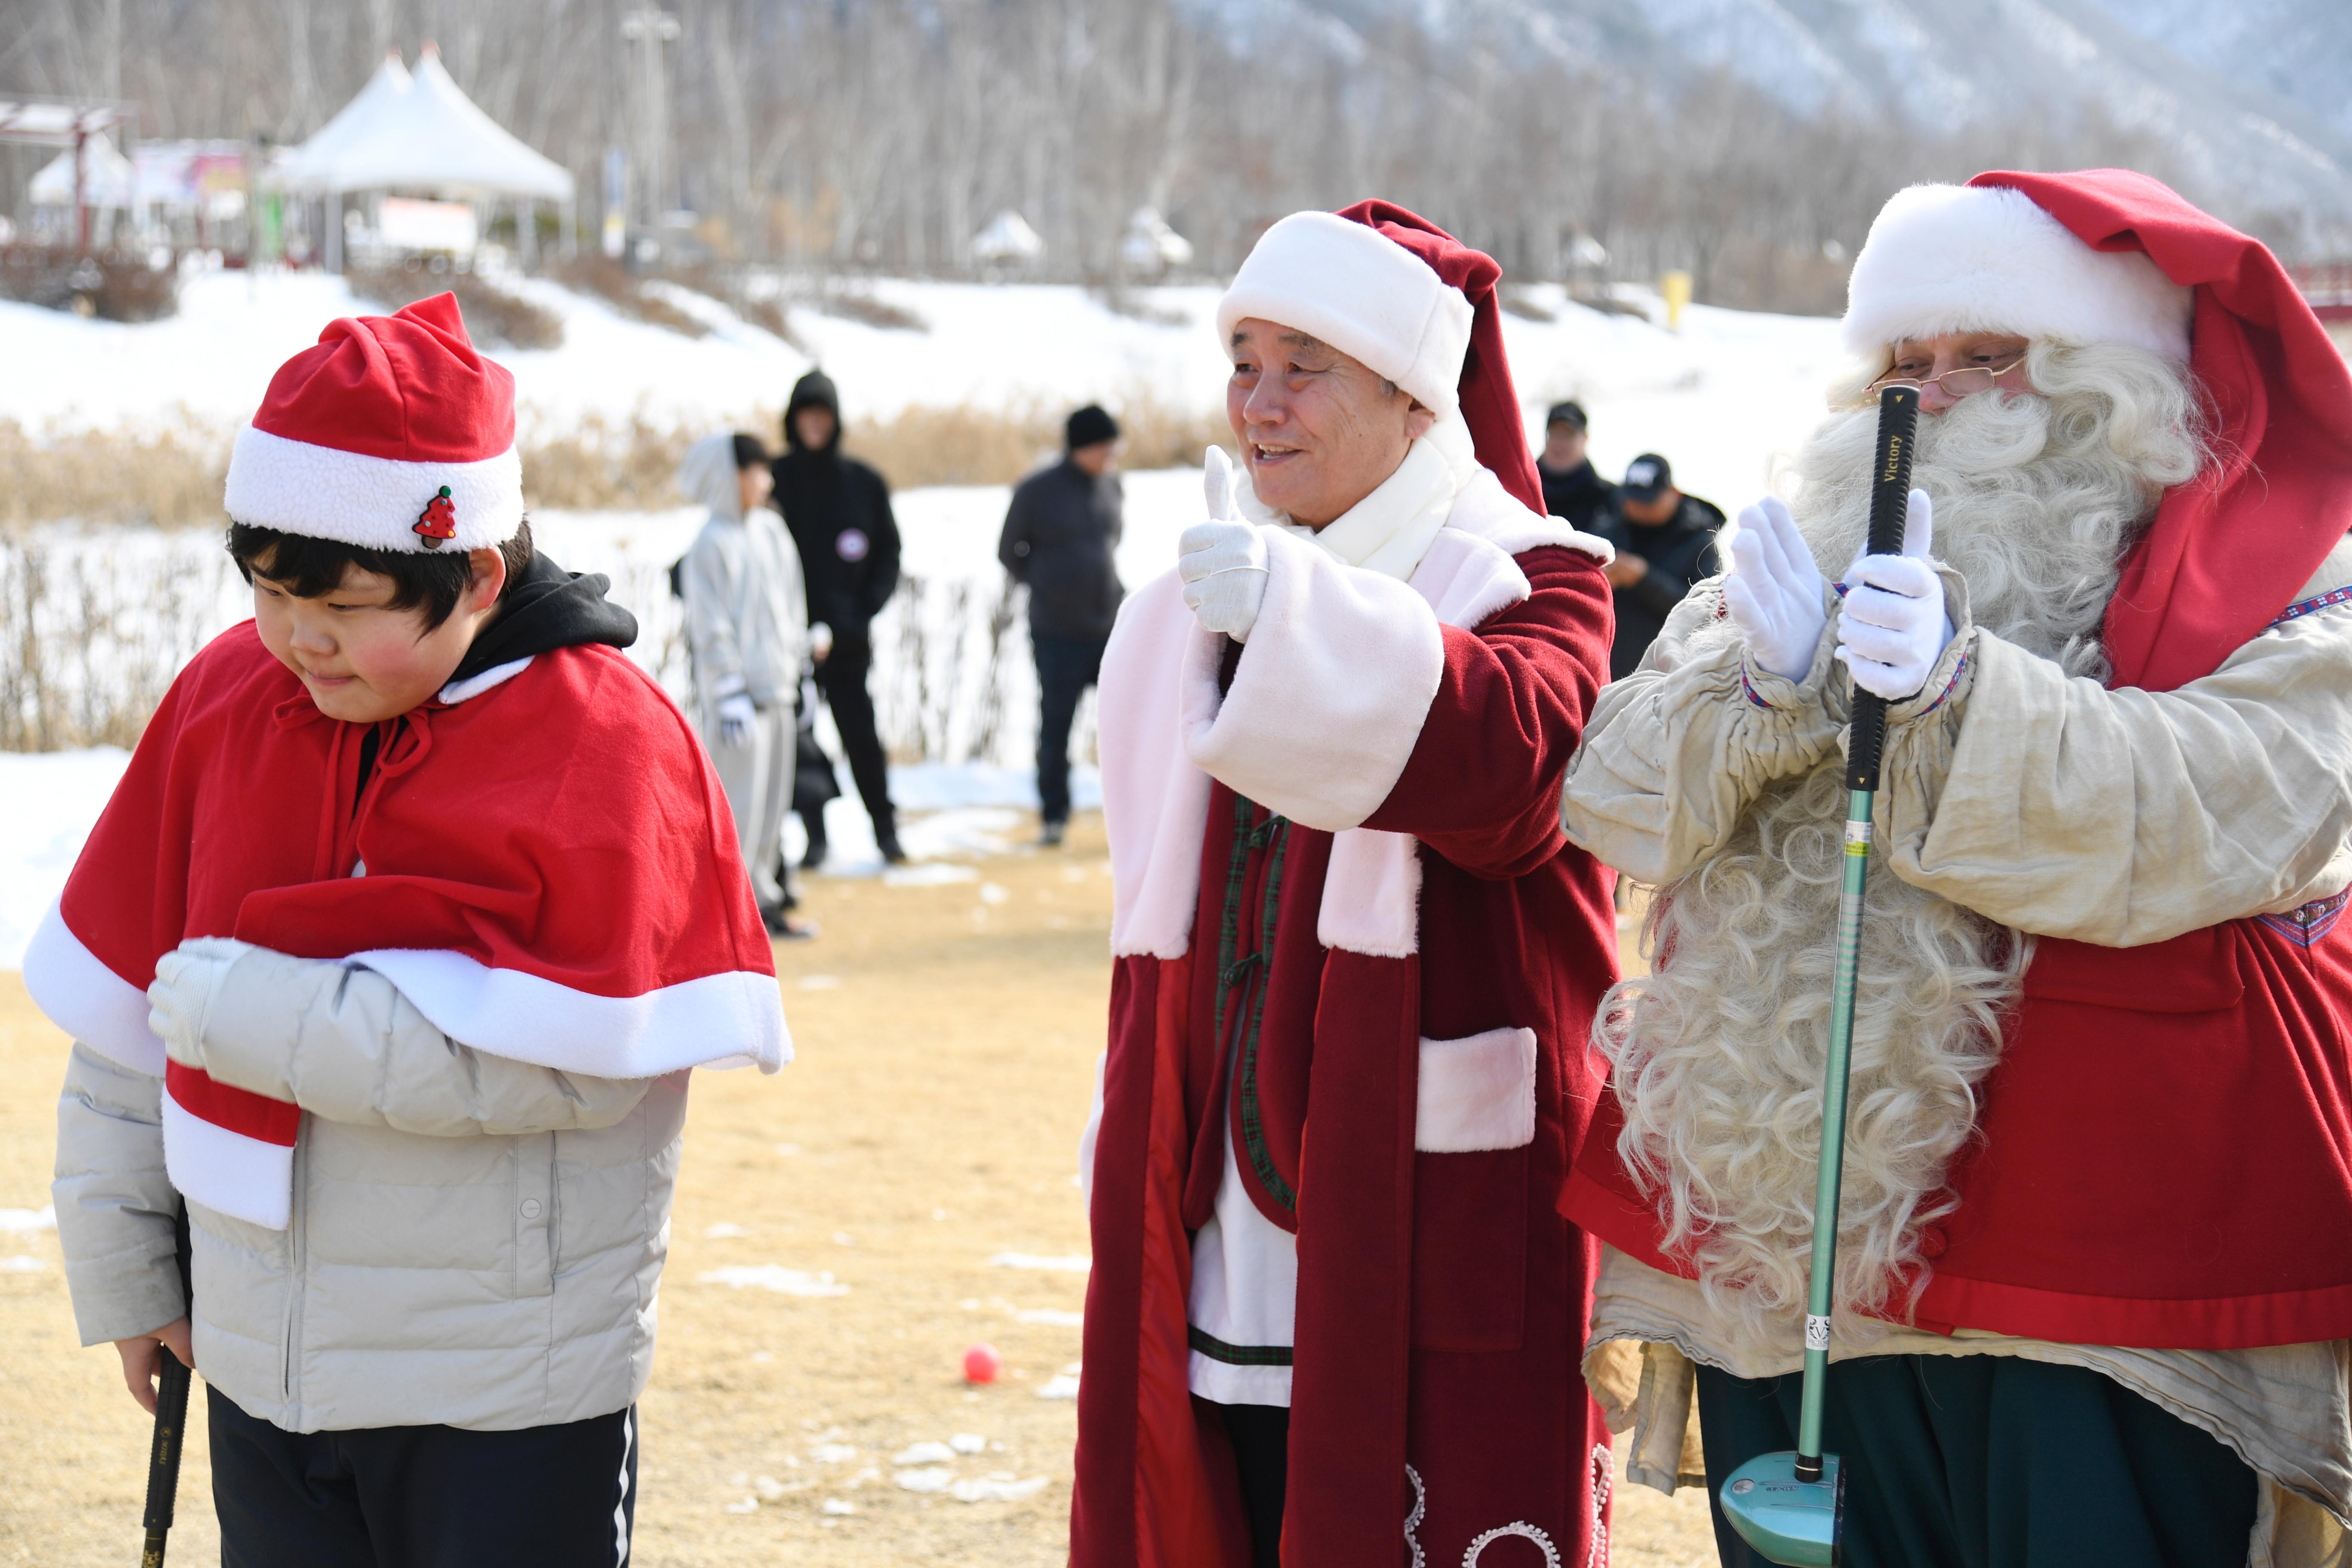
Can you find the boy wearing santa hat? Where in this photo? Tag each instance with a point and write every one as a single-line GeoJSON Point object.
{"type": "Point", "coordinates": [1333, 1317]}
{"type": "Point", "coordinates": [2094, 1286]}
{"type": "Point", "coordinates": [389, 956]}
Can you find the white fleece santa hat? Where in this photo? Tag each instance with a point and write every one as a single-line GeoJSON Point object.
{"type": "Point", "coordinates": [1987, 258]}
{"type": "Point", "coordinates": [1362, 292]}
{"type": "Point", "coordinates": [392, 433]}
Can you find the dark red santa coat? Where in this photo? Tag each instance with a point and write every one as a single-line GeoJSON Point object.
{"type": "Point", "coordinates": [1436, 1396]}
{"type": "Point", "coordinates": [2164, 1155]}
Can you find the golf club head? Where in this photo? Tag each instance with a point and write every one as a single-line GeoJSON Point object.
{"type": "Point", "coordinates": [1797, 1523]}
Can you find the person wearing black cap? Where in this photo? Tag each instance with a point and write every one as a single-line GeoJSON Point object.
{"type": "Point", "coordinates": [838, 510]}
{"type": "Point", "coordinates": [1571, 488]}
{"type": "Point", "coordinates": [1665, 545]}
{"type": "Point", "coordinates": [1060, 535]}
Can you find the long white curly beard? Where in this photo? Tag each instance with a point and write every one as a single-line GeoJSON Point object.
{"type": "Point", "coordinates": [1718, 1054]}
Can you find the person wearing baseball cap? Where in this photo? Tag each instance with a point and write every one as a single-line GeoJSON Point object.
{"type": "Point", "coordinates": [387, 957]}
{"type": "Point", "coordinates": [1572, 488]}
{"type": "Point", "coordinates": [1333, 1319]}
{"type": "Point", "coordinates": [1666, 547]}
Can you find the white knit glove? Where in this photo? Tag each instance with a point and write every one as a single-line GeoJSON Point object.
{"type": "Point", "coordinates": [1773, 591]}
{"type": "Point", "coordinates": [1894, 625]}
{"type": "Point", "coordinates": [179, 1001]}
{"type": "Point", "coordinates": [1223, 560]}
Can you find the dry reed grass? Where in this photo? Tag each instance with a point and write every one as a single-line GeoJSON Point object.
{"type": "Point", "coordinates": [493, 315]}
{"type": "Point", "coordinates": [170, 475]}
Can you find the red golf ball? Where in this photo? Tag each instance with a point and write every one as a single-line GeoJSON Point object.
{"type": "Point", "coordinates": [982, 1365]}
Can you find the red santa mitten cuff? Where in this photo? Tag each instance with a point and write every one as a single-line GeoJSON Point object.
{"type": "Point", "coordinates": [1330, 695]}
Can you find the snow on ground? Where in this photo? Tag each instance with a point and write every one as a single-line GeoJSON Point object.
{"type": "Point", "coordinates": [1719, 398]}
{"type": "Point", "coordinates": [48, 803]}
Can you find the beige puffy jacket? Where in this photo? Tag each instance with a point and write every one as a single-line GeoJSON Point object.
{"type": "Point", "coordinates": [473, 1242]}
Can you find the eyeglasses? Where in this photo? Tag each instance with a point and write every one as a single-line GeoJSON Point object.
{"type": "Point", "coordinates": [1966, 381]}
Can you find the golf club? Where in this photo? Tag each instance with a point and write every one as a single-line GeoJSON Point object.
{"type": "Point", "coordinates": [1791, 1507]}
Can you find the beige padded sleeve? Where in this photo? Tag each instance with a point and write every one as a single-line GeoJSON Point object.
{"type": "Point", "coordinates": [345, 1045]}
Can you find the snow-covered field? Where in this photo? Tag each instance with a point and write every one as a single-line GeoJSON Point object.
{"type": "Point", "coordinates": [1723, 399]}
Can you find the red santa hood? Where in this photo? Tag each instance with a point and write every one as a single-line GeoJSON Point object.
{"type": "Point", "coordinates": [2227, 551]}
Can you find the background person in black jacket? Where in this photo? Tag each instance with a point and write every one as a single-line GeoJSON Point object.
{"type": "Point", "coordinates": [1571, 489]}
{"type": "Point", "coordinates": [1665, 544]}
{"type": "Point", "coordinates": [1060, 535]}
{"type": "Point", "coordinates": [838, 510]}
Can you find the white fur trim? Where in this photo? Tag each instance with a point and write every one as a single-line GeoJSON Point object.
{"type": "Point", "coordinates": [1493, 514]}
{"type": "Point", "coordinates": [245, 1179]}
{"type": "Point", "coordinates": [732, 1019]}
{"type": "Point", "coordinates": [322, 493]}
{"type": "Point", "coordinates": [1372, 894]}
{"type": "Point", "coordinates": [1985, 259]}
{"type": "Point", "coordinates": [1328, 696]}
{"type": "Point", "coordinates": [1361, 292]}
{"type": "Point", "coordinates": [1155, 801]}
{"type": "Point", "coordinates": [1477, 1093]}
{"type": "Point", "coordinates": [88, 1000]}
{"type": "Point", "coordinates": [472, 686]}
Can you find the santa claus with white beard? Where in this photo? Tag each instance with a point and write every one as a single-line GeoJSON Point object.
{"type": "Point", "coordinates": [2095, 1266]}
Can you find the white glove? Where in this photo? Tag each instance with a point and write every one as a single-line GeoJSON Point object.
{"type": "Point", "coordinates": [736, 716]}
{"type": "Point", "coordinates": [1773, 591]}
{"type": "Point", "coordinates": [1223, 560]}
{"type": "Point", "coordinates": [1894, 625]}
{"type": "Point", "coordinates": [180, 1001]}
{"type": "Point", "coordinates": [820, 641]}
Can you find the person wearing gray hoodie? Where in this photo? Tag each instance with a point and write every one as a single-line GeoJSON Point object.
{"type": "Point", "coordinates": [747, 637]}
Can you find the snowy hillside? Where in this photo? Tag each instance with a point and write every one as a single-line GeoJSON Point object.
{"type": "Point", "coordinates": [2249, 98]}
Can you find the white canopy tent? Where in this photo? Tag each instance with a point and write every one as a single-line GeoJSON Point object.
{"type": "Point", "coordinates": [421, 133]}
{"type": "Point", "coordinates": [107, 179]}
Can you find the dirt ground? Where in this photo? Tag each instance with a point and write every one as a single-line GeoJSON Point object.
{"type": "Point", "coordinates": [947, 1037]}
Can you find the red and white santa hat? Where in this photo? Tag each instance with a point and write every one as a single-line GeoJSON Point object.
{"type": "Point", "coordinates": [393, 432]}
{"type": "Point", "coordinates": [1988, 258]}
{"type": "Point", "coordinates": [1415, 304]}
{"type": "Point", "coordinates": [1362, 292]}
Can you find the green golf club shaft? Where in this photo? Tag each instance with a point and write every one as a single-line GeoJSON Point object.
{"type": "Point", "coordinates": [1890, 495]}
{"type": "Point", "coordinates": [1833, 1089]}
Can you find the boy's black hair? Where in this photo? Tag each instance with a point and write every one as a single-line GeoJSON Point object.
{"type": "Point", "coordinates": [749, 453]}
{"type": "Point", "coordinates": [422, 579]}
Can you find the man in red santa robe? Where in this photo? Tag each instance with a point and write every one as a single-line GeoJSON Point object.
{"type": "Point", "coordinates": [2094, 1285]}
{"type": "Point", "coordinates": [1334, 1317]}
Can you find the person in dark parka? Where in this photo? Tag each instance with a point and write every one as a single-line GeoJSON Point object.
{"type": "Point", "coordinates": [1571, 488]}
{"type": "Point", "coordinates": [1059, 536]}
{"type": "Point", "coordinates": [1665, 545]}
{"type": "Point", "coordinates": [838, 510]}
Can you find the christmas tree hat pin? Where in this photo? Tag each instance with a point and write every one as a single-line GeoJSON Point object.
{"type": "Point", "coordinates": [382, 410]}
{"type": "Point", "coordinates": [438, 521]}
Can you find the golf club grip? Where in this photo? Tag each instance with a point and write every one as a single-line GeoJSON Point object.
{"type": "Point", "coordinates": [164, 1455]}
{"type": "Point", "coordinates": [1890, 498]}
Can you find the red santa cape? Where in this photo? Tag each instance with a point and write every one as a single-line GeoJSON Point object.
{"type": "Point", "coordinates": [1423, 955]}
{"type": "Point", "coordinates": [546, 869]}
{"type": "Point", "coordinates": [2164, 1155]}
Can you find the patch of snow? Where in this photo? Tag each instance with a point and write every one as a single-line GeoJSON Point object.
{"type": "Point", "coordinates": [968, 1443]}
{"type": "Point", "coordinates": [931, 873]}
{"type": "Point", "coordinates": [934, 1479]}
{"type": "Point", "coordinates": [834, 1453]}
{"type": "Point", "coordinates": [996, 1489]}
{"type": "Point", "coordinates": [749, 1505]}
{"type": "Point", "coordinates": [48, 803]}
{"type": "Point", "coordinates": [20, 1264]}
{"type": "Point", "coordinates": [839, 1508]}
{"type": "Point", "coordinates": [724, 1230]}
{"type": "Point", "coordinates": [994, 893]}
{"type": "Point", "coordinates": [1061, 1385]}
{"type": "Point", "coordinates": [1060, 1265]}
{"type": "Point", "coordinates": [924, 1454]}
{"type": "Point", "coordinates": [42, 1218]}
{"type": "Point", "coordinates": [774, 1277]}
